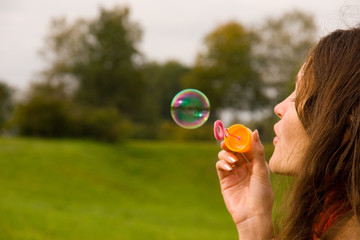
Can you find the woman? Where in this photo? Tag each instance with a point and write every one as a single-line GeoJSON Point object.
{"type": "Point", "coordinates": [317, 141]}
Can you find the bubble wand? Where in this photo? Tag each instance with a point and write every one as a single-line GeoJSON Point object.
{"type": "Point", "coordinates": [237, 137]}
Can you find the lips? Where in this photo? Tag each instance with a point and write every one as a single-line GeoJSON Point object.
{"type": "Point", "coordinates": [276, 138]}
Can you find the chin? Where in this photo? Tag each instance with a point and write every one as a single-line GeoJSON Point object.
{"type": "Point", "coordinates": [275, 169]}
{"type": "Point", "coordinates": [278, 168]}
{"type": "Point", "coordinates": [274, 163]}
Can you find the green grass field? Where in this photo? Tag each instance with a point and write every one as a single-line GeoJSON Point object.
{"type": "Point", "coordinates": [72, 189]}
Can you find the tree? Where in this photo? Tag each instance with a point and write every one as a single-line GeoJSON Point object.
{"type": "Point", "coordinates": [280, 47]}
{"type": "Point", "coordinates": [92, 83]}
{"type": "Point", "coordinates": [96, 59]}
{"type": "Point", "coordinates": [163, 82]}
{"type": "Point", "coordinates": [43, 112]}
{"type": "Point", "coordinates": [48, 111]}
{"type": "Point", "coordinates": [6, 102]}
{"type": "Point", "coordinates": [224, 71]}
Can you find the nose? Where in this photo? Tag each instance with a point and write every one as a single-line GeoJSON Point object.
{"type": "Point", "coordinates": [279, 109]}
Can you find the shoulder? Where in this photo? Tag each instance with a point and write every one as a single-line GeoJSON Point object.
{"type": "Point", "coordinates": [349, 230]}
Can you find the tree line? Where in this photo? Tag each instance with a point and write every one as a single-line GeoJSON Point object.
{"type": "Point", "coordinates": [98, 84]}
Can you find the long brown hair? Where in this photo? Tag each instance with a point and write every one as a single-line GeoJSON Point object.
{"type": "Point", "coordinates": [328, 105]}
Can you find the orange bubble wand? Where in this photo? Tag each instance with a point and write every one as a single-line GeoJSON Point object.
{"type": "Point", "coordinates": [237, 137]}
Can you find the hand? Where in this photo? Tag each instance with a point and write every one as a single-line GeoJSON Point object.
{"type": "Point", "coordinates": [246, 189]}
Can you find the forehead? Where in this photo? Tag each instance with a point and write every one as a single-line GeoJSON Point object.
{"type": "Point", "coordinates": [299, 75]}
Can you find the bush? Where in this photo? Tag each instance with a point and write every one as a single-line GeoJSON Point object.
{"type": "Point", "coordinates": [170, 131]}
{"type": "Point", "coordinates": [144, 131]}
{"type": "Point", "coordinates": [44, 117]}
{"type": "Point", "coordinates": [52, 117]}
{"type": "Point", "coordinates": [104, 124]}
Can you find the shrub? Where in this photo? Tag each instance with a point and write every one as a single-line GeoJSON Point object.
{"type": "Point", "coordinates": [104, 124]}
{"type": "Point", "coordinates": [170, 131]}
{"type": "Point", "coordinates": [44, 117]}
{"type": "Point", "coordinates": [51, 117]}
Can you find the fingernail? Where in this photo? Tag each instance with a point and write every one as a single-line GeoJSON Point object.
{"type": "Point", "coordinates": [228, 167]}
{"type": "Point", "coordinates": [256, 136]}
{"type": "Point", "coordinates": [232, 159]}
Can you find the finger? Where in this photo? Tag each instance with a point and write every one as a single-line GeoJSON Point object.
{"type": "Point", "coordinates": [223, 166]}
{"type": "Point", "coordinates": [258, 152]}
{"type": "Point", "coordinates": [223, 169]}
{"type": "Point", "coordinates": [228, 157]}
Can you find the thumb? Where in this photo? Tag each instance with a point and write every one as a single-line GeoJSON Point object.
{"type": "Point", "coordinates": [258, 152]}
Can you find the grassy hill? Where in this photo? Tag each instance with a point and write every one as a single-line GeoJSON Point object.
{"type": "Point", "coordinates": [68, 189]}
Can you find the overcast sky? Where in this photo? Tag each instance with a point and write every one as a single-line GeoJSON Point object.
{"type": "Point", "coordinates": [173, 29]}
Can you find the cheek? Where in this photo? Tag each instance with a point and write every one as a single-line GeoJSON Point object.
{"type": "Point", "coordinates": [289, 150]}
{"type": "Point", "coordinates": [293, 134]}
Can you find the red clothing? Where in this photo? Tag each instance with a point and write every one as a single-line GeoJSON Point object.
{"type": "Point", "coordinates": [328, 218]}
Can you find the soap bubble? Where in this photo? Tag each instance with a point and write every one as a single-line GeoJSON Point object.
{"type": "Point", "coordinates": [190, 108]}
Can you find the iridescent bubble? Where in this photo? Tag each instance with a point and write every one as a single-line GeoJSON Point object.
{"type": "Point", "coordinates": [190, 108]}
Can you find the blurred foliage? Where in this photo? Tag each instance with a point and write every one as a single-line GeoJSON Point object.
{"type": "Point", "coordinates": [97, 84]}
{"type": "Point", "coordinates": [278, 53]}
{"type": "Point", "coordinates": [49, 112]}
{"type": "Point", "coordinates": [104, 124]}
{"type": "Point", "coordinates": [224, 71]}
{"type": "Point", "coordinates": [98, 57]}
{"type": "Point", "coordinates": [162, 82]}
{"type": "Point", "coordinates": [6, 103]}
{"type": "Point", "coordinates": [44, 117]}
{"type": "Point", "coordinates": [43, 111]}
{"type": "Point", "coordinates": [280, 47]}
{"type": "Point", "coordinates": [168, 131]}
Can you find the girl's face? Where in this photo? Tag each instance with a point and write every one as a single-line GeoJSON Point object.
{"type": "Point", "coordinates": [291, 139]}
